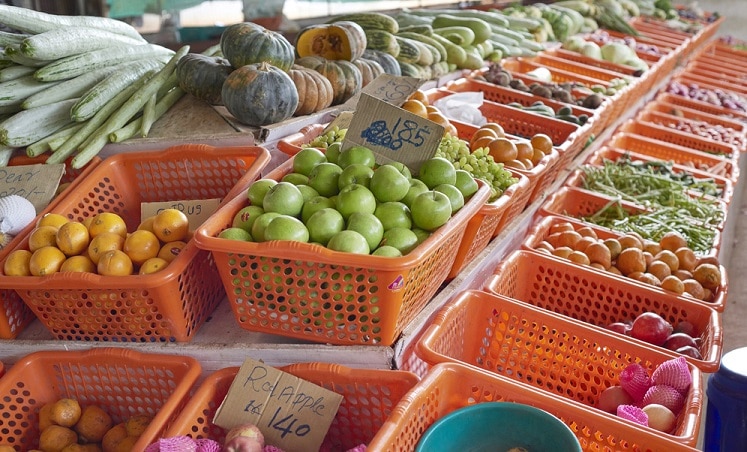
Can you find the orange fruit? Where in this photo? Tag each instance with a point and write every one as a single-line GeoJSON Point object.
{"type": "Point", "coordinates": [416, 107]}
{"type": "Point", "coordinates": [440, 119]}
{"type": "Point", "coordinates": [80, 263]}
{"type": "Point", "coordinates": [568, 238]}
{"type": "Point", "coordinates": [660, 269]}
{"type": "Point", "coordinates": [65, 412]}
{"type": "Point", "coordinates": [147, 224]}
{"type": "Point", "coordinates": [90, 447]}
{"type": "Point", "coordinates": [614, 247]}
{"type": "Point", "coordinates": [528, 164]}
{"type": "Point", "coordinates": [672, 241]}
{"type": "Point", "coordinates": [708, 275]}
{"type": "Point", "coordinates": [560, 227]}
{"type": "Point", "coordinates": [598, 253]}
{"type": "Point", "coordinates": [141, 245]}
{"type": "Point", "coordinates": [107, 241]}
{"type": "Point", "coordinates": [17, 263]}
{"type": "Point", "coordinates": [419, 95]}
{"type": "Point", "coordinates": [113, 436]}
{"type": "Point", "coordinates": [694, 288]}
{"type": "Point", "coordinates": [630, 241]}
{"type": "Point", "coordinates": [484, 133]}
{"type": "Point", "coordinates": [542, 141]}
{"type": "Point", "coordinates": [480, 142]}
{"type": "Point", "coordinates": [503, 150]}
{"type": "Point", "coordinates": [93, 424]}
{"type": "Point", "coordinates": [579, 258]}
{"type": "Point", "coordinates": [42, 236]}
{"type": "Point", "coordinates": [652, 247]}
{"type": "Point", "coordinates": [115, 263]}
{"type": "Point", "coordinates": [170, 225]}
{"type": "Point", "coordinates": [587, 231]}
{"type": "Point", "coordinates": [56, 437]}
{"type": "Point", "coordinates": [127, 444]}
{"type": "Point", "coordinates": [673, 284]}
{"type": "Point", "coordinates": [562, 251]}
{"type": "Point", "coordinates": [45, 416]}
{"type": "Point", "coordinates": [495, 127]}
{"type": "Point", "coordinates": [431, 109]}
{"type": "Point", "coordinates": [582, 243]}
{"type": "Point", "coordinates": [524, 151]}
{"type": "Point", "coordinates": [87, 222]}
{"type": "Point", "coordinates": [516, 164]}
{"type": "Point", "coordinates": [136, 424]}
{"type": "Point", "coordinates": [153, 265]}
{"type": "Point", "coordinates": [669, 258]}
{"type": "Point", "coordinates": [52, 219]}
{"type": "Point", "coordinates": [631, 260]}
{"type": "Point", "coordinates": [170, 250]}
{"type": "Point", "coordinates": [72, 238]}
{"type": "Point", "coordinates": [537, 156]}
{"type": "Point", "coordinates": [107, 222]}
{"type": "Point", "coordinates": [46, 260]}
{"type": "Point", "coordinates": [687, 258]}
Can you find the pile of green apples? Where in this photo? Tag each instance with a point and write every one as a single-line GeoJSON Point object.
{"type": "Point", "coordinates": [343, 200]}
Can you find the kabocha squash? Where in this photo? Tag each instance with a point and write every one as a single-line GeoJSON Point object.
{"type": "Point", "coordinates": [342, 40]}
{"type": "Point", "coordinates": [314, 90]}
{"type": "Point", "coordinates": [370, 69]}
{"type": "Point", "coordinates": [387, 62]}
{"type": "Point", "coordinates": [259, 94]}
{"type": "Point", "coordinates": [202, 76]}
{"type": "Point", "coordinates": [248, 43]}
{"type": "Point", "coordinates": [345, 77]}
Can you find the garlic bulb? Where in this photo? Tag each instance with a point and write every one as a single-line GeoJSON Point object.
{"type": "Point", "coordinates": [16, 212]}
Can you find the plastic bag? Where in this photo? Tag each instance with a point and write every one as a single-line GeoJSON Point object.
{"type": "Point", "coordinates": [464, 107]}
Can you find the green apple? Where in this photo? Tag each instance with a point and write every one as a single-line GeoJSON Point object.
{"type": "Point", "coordinates": [306, 159]}
{"type": "Point", "coordinates": [393, 214]}
{"type": "Point", "coordinates": [324, 177]}
{"type": "Point", "coordinates": [333, 151]}
{"type": "Point", "coordinates": [314, 204]}
{"type": "Point", "coordinates": [422, 234]}
{"type": "Point", "coordinates": [388, 184]}
{"type": "Point", "coordinates": [257, 190]}
{"type": "Point", "coordinates": [355, 198]}
{"type": "Point", "coordinates": [466, 183]}
{"type": "Point", "coordinates": [416, 187]}
{"type": "Point", "coordinates": [436, 171]}
{"type": "Point", "coordinates": [356, 154]}
{"type": "Point", "coordinates": [245, 217]}
{"type": "Point", "coordinates": [284, 198]}
{"type": "Point", "coordinates": [401, 238]}
{"type": "Point", "coordinates": [368, 226]}
{"type": "Point", "coordinates": [387, 250]}
{"type": "Point", "coordinates": [349, 242]}
{"type": "Point", "coordinates": [258, 228]}
{"type": "Point", "coordinates": [402, 169]}
{"type": "Point", "coordinates": [286, 227]}
{"type": "Point", "coordinates": [430, 210]}
{"type": "Point", "coordinates": [295, 178]}
{"type": "Point", "coordinates": [323, 224]}
{"type": "Point", "coordinates": [455, 196]}
{"type": "Point", "coordinates": [307, 192]}
{"type": "Point", "coordinates": [239, 234]}
{"type": "Point", "coordinates": [355, 174]}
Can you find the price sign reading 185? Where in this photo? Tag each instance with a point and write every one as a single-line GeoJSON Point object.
{"type": "Point", "coordinates": [402, 131]}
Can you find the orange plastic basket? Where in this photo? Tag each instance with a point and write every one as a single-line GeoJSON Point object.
{"type": "Point", "coordinates": [483, 226]}
{"type": "Point", "coordinates": [683, 139]}
{"type": "Point", "coordinates": [369, 396]}
{"type": "Point", "coordinates": [567, 358]}
{"type": "Point", "coordinates": [123, 382]}
{"type": "Point", "coordinates": [706, 81]}
{"type": "Point", "coordinates": [291, 144]}
{"type": "Point", "coordinates": [450, 386]}
{"type": "Point", "coordinates": [681, 112]}
{"type": "Point", "coordinates": [310, 292]}
{"type": "Point", "coordinates": [580, 204]}
{"type": "Point", "coordinates": [577, 57]}
{"type": "Point", "coordinates": [166, 306]}
{"type": "Point", "coordinates": [610, 154]}
{"type": "Point", "coordinates": [541, 230]}
{"type": "Point", "coordinates": [587, 295]}
{"type": "Point", "coordinates": [523, 65]}
{"type": "Point", "coordinates": [15, 315]}
{"type": "Point", "coordinates": [722, 134]}
{"type": "Point", "coordinates": [662, 150]}
{"type": "Point", "coordinates": [578, 67]}
{"type": "Point", "coordinates": [702, 106]}
{"type": "Point", "coordinates": [710, 71]}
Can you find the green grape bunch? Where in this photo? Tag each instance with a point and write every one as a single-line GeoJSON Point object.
{"type": "Point", "coordinates": [478, 162]}
{"type": "Point", "coordinates": [335, 134]}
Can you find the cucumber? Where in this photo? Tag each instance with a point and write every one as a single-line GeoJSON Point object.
{"type": "Point", "coordinates": [409, 51]}
{"type": "Point", "coordinates": [411, 70]}
{"type": "Point", "coordinates": [382, 41]}
{"type": "Point", "coordinates": [29, 126]}
{"type": "Point", "coordinates": [473, 61]}
{"type": "Point", "coordinates": [11, 39]}
{"type": "Point", "coordinates": [454, 54]}
{"type": "Point", "coordinates": [63, 42]}
{"type": "Point", "coordinates": [425, 30]}
{"type": "Point", "coordinates": [466, 34]}
{"type": "Point", "coordinates": [487, 16]}
{"type": "Point", "coordinates": [481, 28]}
{"type": "Point", "coordinates": [34, 22]}
{"type": "Point", "coordinates": [14, 54]}
{"type": "Point", "coordinates": [370, 21]}
{"type": "Point", "coordinates": [15, 71]}
{"type": "Point", "coordinates": [14, 92]}
{"type": "Point", "coordinates": [68, 89]}
{"type": "Point", "coordinates": [76, 65]}
{"type": "Point", "coordinates": [427, 40]}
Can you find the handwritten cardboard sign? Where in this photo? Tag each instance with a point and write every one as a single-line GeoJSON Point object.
{"type": "Point", "coordinates": [37, 183]}
{"type": "Point", "coordinates": [196, 210]}
{"type": "Point", "coordinates": [293, 414]}
{"type": "Point", "coordinates": [388, 88]}
{"type": "Point", "coordinates": [394, 134]}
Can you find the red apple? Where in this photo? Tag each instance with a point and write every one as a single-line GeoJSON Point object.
{"type": "Point", "coordinates": [651, 327]}
{"type": "Point", "coordinates": [685, 327]}
{"type": "Point", "coordinates": [619, 327]}
{"type": "Point", "coordinates": [690, 351]}
{"type": "Point", "coordinates": [678, 340]}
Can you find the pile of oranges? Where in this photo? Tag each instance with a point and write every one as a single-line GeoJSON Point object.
{"type": "Point", "coordinates": [418, 104]}
{"type": "Point", "coordinates": [512, 152]}
{"type": "Point", "coordinates": [65, 426]}
{"type": "Point", "coordinates": [100, 244]}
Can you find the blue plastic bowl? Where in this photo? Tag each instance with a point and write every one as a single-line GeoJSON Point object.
{"type": "Point", "coordinates": [498, 427]}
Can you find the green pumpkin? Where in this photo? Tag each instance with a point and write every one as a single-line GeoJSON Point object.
{"type": "Point", "coordinates": [249, 43]}
{"type": "Point", "coordinates": [345, 77]}
{"type": "Point", "coordinates": [202, 76]}
{"type": "Point", "coordinates": [370, 69]}
{"type": "Point", "coordinates": [259, 94]}
{"type": "Point", "coordinates": [387, 62]}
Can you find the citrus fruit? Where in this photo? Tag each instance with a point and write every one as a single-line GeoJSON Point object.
{"type": "Point", "coordinates": [525, 151]}
{"type": "Point", "coordinates": [52, 219]}
{"type": "Point", "coordinates": [93, 424]}
{"type": "Point", "coordinates": [480, 142]}
{"type": "Point", "coordinates": [672, 241]}
{"type": "Point", "coordinates": [65, 412]}
{"type": "Point", "coordinates": [107, 222]}
{"type": "Point", "coordinates": [170, 225]}
{"type": "Point", "coordinates": [107, 241]}
{"type": "Point", "coordinates": [669, 258]}
{"type": "Point", "coordinates": [141, 245]}
{"type": "Point", "coordinates": [419, 95]}
{"type": "Point", "coordinates": [80, 263]}
{"type": "Point", "coordinates": [56, 437]}
{"type": "Point", "coordinates": [440, 119]}
{"type": "Point", "coordinates": [72, 238]}
{"type": "Point", "coordinates": [708, 275]}
{"type": "Point", "coordinates": [45, 414]}
{"type": "Point", "coordinates": [503, 150]}
{"type": "Point", "coordinates": [170, 250]}
{"type": "Point", "coordinates": [153, 265]}
{"type": "Point", "coordinates": [147, 224]}
{"type": "Point", "coordinates": [127, 444]}
{"type": "Point", "coordinates": [113, 436]}
{"type": "Point", "coordinates": [631, 260]}
{"type": "Point", "coordinates": [495, 127]}
{"type": "Point", "coordinates": [542, 141]}
{"type": "Point", "coordinates": [46, 260]}
{"type": "Point", "coordinates": [686, 258]}
{"type": "Point", "coordinates": [42, 236]}
{"type": "Point", "coordinates": [17, 263]}
{"type": "Point", "coordinates": [114, 263]}
{"type": "Point", "coordinates": [416, 107]}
